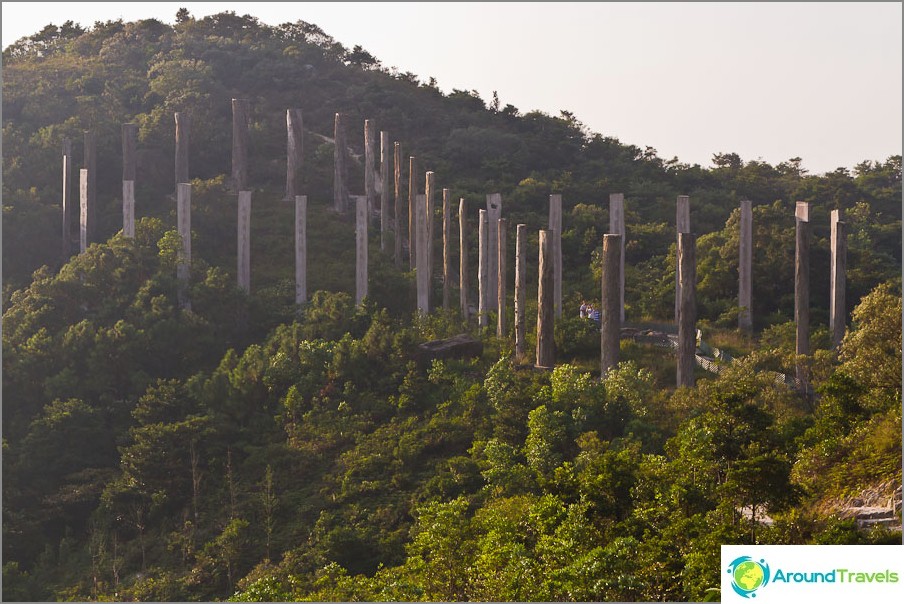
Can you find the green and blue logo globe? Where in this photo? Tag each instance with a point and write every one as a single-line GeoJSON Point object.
{"type": "Point", "coordinates": [748, 575]}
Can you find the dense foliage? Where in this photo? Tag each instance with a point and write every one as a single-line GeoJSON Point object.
{"type": "Point", "coordinates": [255, 450]}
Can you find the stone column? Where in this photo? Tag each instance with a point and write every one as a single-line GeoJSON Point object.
{"type": "Point", "coordinates": [67, 199]}
{"type": "Point", "coordinates": [838, 279]}
{"type": "Point", "coordinates": [617, 227]}
{"type": "Point", "coordinates": [683, 225]}
{"type": "Point", "coordinates": [422, 272]}
{"type": "Point", "coordinates": [555, 225]}
{"type": "Point", "coordinates": [687, 316]}
{"type": "Point", "coordinates": [463, 259]}
{"type": "Point", "coordinates": [361, 220]}
{"type": "Point", "coordinates": [240, 121]}
{"type": "Point", "coordinates": [301, 249]}
{"type": "Point", "coordinates": [447, 248]}
{"type": "Point", "coordinates": [494, 213]}
{"type": "Point", "coordinates": [802, 288]}
{"type": "Point", "coordinates": [244, 241]}
{"type": "Point", "coordinates": [520, 289]}
{"type": "Point", "coordinates": [83, 211]}
{"type": "Point", "coordinates": [183, 125]}
{"type": "Point", "coordinates": [483, 263]}
{"type": "Point", "coordinates": [501, 233]}
{"type": "Point", "coordinates": [610, 324]}
{"type": "Point", "coordinates": [183, 225]}
{"type": "Point", "coordinates": [546, 345]}
{"type": "Point", "coordinates": [129, 137]}
{"type": "Point", "coordinates": [370, 176]}
{"type": "Point", "coordinates": [128, 208]}
{"type": "Point", "coordinates": [294, 150]}
{"type": "Point", "coordinates": [91, 192]}
{"type": "Point", "coordinates": [430, 193]}
{"type": "Point", "coordinates": [340, 171]}
{"type": "Point", "coordinates": [745, 269]}
{"type": "Point", "coordinates": [397, 224]}
{"type": "Point", "coordinates": [384, 191]}
{"type": "Point", "coordinates": [412, 212]}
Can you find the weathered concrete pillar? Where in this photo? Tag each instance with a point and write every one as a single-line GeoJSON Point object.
{"type": "Point", "coordinates": [183, 226]}
{"type": "Point", "coordinates": [83, 211]}
{"type": "Point", "coordinates": [294, 150]}
{"type": "Point", "coordinates": [340, 170]}
{"type": "Point", "coordinates": [370, 175]}
{"type": "Point", "coordinates": [412, 212]}
{"type": "Point", "coordinates": [447, 248]}
{"type": "Point", "coordinates": [502, 278]}
{"type": "Point", "coordinates": [555, 225]}
{"type": "Point", "coordinates": [610, 323]}
{"type": "Point", "coordinates": [397, 218]}
{"type": "Point", "coordinates": [687, 316]}
{"type": "Point", "coordinates": [430, 193]}
{"type": "Point", "coordinates": [802, 289]}
{"type": "Point", "coordinates": [682, 225]}
{"type": "Point", "coordinates": [838, 279]}
{"type": "Point", "coordinates": [129, 138]}
{"type": "Point", "coordinates": [91, 193]}
{"type": "Point", "coordinates": [244, 241]}
{"type": "Point", "coordinates": [384, 191]}
{"type": "Point", "coordinates": [241, 117]}
{"type": "Point", "coordinates": [520, 289]}
{"type": "Point", "coordinates": [546, 345]}
{"type": "Point", "coordinates": [361, 220]}
{"type": "Point", "coordinates": [183, 126]}
{"type": "Point", "coordinates": [422, 272]}
{"type": "Point", "coordinates": [617, 227]}
{"type": "Point", "coordinates": [301, 249]}
{"type": "Point", "coordinates": [128, 208]}
{"type": "Point", "coordinates": [463, 259]}
{"type": "Point", "coordinates": [494, 213]}
{"type": "Point", "coordinates": [67, 199]}
{"type": "Point", "coordinates": [483, 263]}
{"type": "Point", "coordinates": [745, 269]}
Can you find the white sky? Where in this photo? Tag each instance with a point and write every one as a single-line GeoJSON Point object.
{"type": "Point", "coordinates": [769, 81]}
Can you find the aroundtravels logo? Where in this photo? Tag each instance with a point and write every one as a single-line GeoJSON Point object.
{"type": "Point", "coordinates": [748, 575]}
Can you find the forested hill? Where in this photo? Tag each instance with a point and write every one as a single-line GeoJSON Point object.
{"type": "Point", "coordinates": [255, 449]}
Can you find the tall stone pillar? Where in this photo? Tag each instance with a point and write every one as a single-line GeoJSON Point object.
{"type": "Point", "coordinates": [91, 191]}
{"type": "Point", "coordinates": [494, 213]}
{"type": "Point", "coordinates": [745, 269]}
{"type": "Point", "coordinates": [128, 208]}
{"type": "Point", "coordinates": [294, 151]}
{"type": "Point", "coordinates": [430, 193]}
{"type": "Point", "coordinates": [555, 225]}
{"type": "Point", "coordinates": [129, 138]}
{"type": "Point", "coordinates": [340, 170]}
{"type": "Point", "coordinates": [244, 241]}
{"type": "Point", "coordinates": [412, 212]}
{"type": "Point", "coordinates": [617, 227]}
{"type": "Point", "coordinates": [241, 117]}
{"type": "Point", "coordinates": [301, 249]}
{"type": "Point", "coordinates": [361, 220]}
{"type": "Point", "coordinates": [520, 289]}
{"type": "Point", "coordinates": [802, 289]}
{"type": "Point", "coordinates": [463, 259]}
{"type": "Point", "coordinates": [67, 199]}
{"type": "Point", "coordinates": [682, 225]}
{"type": "Point", "coordinates": [384, 191]}
{"type": "Point", "coordinates": [546, 345]}
{"type": "Point", "coordinates": [687, 315]}
{"type": "Point", "coordinates": [183, 226]}
{"type": "Point", "coordinates": [422, 272]}
{"type": "Point", "coordinates": [397, 218]}
{"type": "Point", "coordinates": [183, 126]}
{"type": "Point", "coordinates": [837, 279]}
{"type": "Point", "coordinates": [83, 240]}
{"type": "Point", "coordinates": [610, 327]}
{"type": "Point", "coordinates": [370, 175]}
{"type": "Point", "coordinates": [447, 249]}
{"type": "Point", "coordinates": [502, 278]}
{"type": "Point", "coordinates": [483, 263]}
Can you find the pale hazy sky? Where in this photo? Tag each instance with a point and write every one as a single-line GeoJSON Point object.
{"type": "Point", "coordinates": [769, 81]}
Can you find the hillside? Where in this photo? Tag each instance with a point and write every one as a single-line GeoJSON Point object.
{"type": "Point", "coordinates": [253, 449]}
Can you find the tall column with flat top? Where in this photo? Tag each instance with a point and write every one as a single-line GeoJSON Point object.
{"type": "Point", "coordinates": [340, 171]}
{"type": "Point", "coordinates": [430, 194]}
{"type": "Point", "coordinates": [241, 117]}
{"type": "Point", "coordinates": [546, 345]}
{"type": "Point", "coordinates": [361, 220]}
{"type": "Point", "coordinates": [494, 213]}
{"type": "Point", "coordinates": [483, 262]}
{"type": "Point", "coordinates": [687, 315]}
{"type": "Point", "coordinates": [683, 225]}
{"type": "Point", "coordinates": [745, 269]}
{"type": "Point", "coordinates": [501, 251]}
{"type": "Point", "coordinates": [447, 249]}
{"type": "Point", "coordinates": [397, 217]}
{"type": "Point", "coordinates": [802, 289]}
{"type": "Point", "coordinates": [463, 259]}
{"type": "Point", "coordinates": [555, 225]}
{"type": "Point", "coordinates": [837, 279]}
{"type": "Point", "coordinates": [422, 272]}
{"type": "Point", "coordinates": [617, 227]}
{"type": "Point", "coordinates": [412, 212]}
{"type": "Point", "coordinates": [384, 191]}
{"type": "Point", "coordinates": [294, 150]}
{"type": "Point", "coordinates": [610, 324]}
{"type": "Point", "coordinates": [520, 290]}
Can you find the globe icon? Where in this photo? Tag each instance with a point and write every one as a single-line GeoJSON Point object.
{"type": "Point", "coordinates": [748, 575]}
